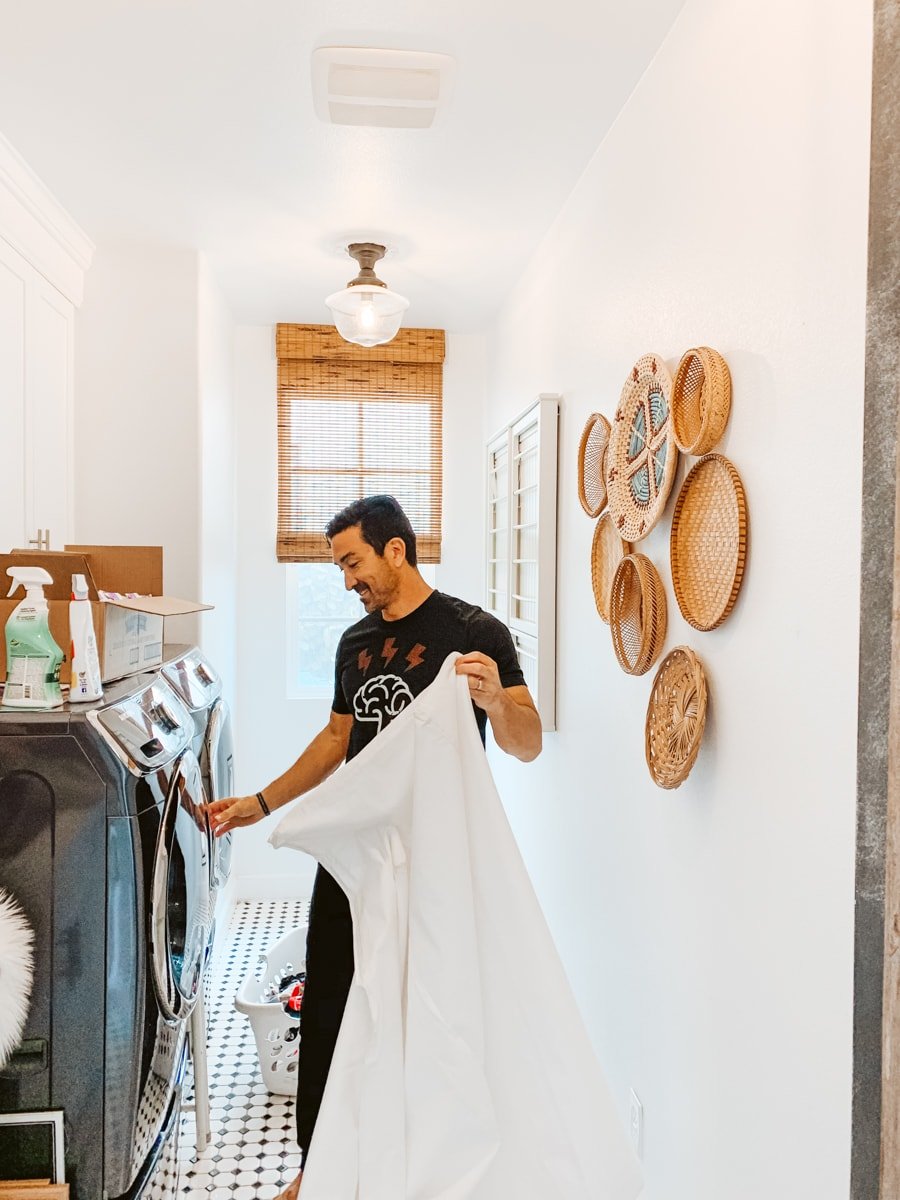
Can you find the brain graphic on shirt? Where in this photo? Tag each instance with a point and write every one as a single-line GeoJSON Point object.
{"type": "Point", "coordinates": [380, 699]}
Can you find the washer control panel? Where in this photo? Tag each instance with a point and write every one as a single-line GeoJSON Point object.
{"type": "Point", "coordinates": [147, 730]}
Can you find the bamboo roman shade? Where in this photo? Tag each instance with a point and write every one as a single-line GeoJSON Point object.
{"type": "Point", "coordinates": [353, 422]}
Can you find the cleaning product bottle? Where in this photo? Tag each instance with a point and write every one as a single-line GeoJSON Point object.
{"type": "Point", "coordinates": [33, 658]}
{"type": "Point", "coordinates": [85, 683]}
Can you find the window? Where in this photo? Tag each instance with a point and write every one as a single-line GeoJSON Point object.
{"type": "Point", "coordinates": [319, 608]}
{"type": "Point", "coordinates": [353, 422]}
{"type": "Point", "coordinates": [521, 544]}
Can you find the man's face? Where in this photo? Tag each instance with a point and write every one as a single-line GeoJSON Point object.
{"type": "Point", "coordinates": [374, 578]}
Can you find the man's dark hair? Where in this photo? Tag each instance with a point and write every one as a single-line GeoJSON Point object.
{"type": "Point", "coordinates": [379, 518]}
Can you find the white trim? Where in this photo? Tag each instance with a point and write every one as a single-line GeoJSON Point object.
{"type": "Point", "coordinates": [35, 224]}
{"type": "Point", "coordinates": [270, 887]}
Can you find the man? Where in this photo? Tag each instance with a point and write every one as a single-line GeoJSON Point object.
{"type": "Point", "coordinates": [382, 663]}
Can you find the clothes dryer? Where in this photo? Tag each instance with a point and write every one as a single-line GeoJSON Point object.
{"type": "Point", "coordinates": [199, 687]}
{"type": "Point", "coordinates": [197, 684]}
{"type": "Point", "coordinates": [103, 842]}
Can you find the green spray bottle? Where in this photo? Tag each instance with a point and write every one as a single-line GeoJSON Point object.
{"type": "Point", "coordinates": [33, 658]}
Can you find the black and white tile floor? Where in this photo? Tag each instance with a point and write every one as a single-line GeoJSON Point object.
{"type": "Point", "coordinates": [252, 1153]}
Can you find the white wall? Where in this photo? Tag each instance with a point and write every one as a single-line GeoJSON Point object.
{"type": "Point", "coordinates": [154, 428]}
{"type": "Point", "coordinates": [136, 411]}
{"type": "Point", "coordinates": [270, 730]}
{"type": "Point", "coordinates": [709, 932]}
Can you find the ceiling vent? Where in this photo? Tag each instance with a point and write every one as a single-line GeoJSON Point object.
{"type": "Point", "coordinates": [393, 89]}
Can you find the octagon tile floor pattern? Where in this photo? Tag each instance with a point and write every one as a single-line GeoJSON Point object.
{"type": "Point", "coordinates": [252, 1153]}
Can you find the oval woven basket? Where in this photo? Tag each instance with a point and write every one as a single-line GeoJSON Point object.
{"type": "Point", "coordinates": [642, 456]}
{"type": "Point", "coordinates": [676, 717]}
{"type": "Point", "coordinates": [607, 551]}
{"type": "Point", "coordinates": [708, 544]}
{"type": "Point", "coordinates": [701, 400]}
{"type": "Point", "coordinates": [592, 464]}
{"type": "Point", "coordinates": [637, 614]}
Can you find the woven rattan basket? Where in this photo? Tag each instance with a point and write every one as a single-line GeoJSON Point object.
{"type": "Point", "coordinates": [637, 614]}
{"type": "Point", "coordinates": [592, 464]}
{"type": "Point", "coordinates": [701, 400]}
{"type": "Point", "coordinates": [708, 546]}
{"type": "Point", "coordinates": [607, 551]}
{"type": "Point", "coordinates": [642, 455]}
{"type": "Point", "coordinates": [676, 716]}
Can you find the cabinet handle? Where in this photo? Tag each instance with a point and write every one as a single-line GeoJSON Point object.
{"type": "Point", "coordinates": [42, 541]}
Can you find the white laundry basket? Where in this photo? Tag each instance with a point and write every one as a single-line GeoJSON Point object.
{"type": "Point", "coordinates": [277, 1035]}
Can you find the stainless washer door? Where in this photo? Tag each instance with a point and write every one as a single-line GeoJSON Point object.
{"type": "Point", "coordinates": [179, 893]}
{"type": "Point", "coordinates": [219, 752]}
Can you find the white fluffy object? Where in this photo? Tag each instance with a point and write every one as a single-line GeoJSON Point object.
{"type": "Point", "coordinates": [16, 974]}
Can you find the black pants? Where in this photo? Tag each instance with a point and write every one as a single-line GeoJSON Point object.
{"type": "Point", "coordinates": [329, 969]}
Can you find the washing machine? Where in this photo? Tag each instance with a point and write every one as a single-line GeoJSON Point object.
{"type": "Point", "coordinates": [103, 841]}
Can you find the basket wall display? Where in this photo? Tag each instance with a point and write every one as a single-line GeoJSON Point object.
{"type": "Point", "coordinates": [637, 614]}
{"type": "Point", "coordinates": [701, 400]}
{"type": "Point", "coordinates": [642, 456]}
{"type": "Point", "coordinates": [592, 464]}
{"type": "Point", "coordinates": [607, 551]}
{"type": "Point", "coordinates": [676, 716]}
{"type": "Point", "coordinates": [708, 545]}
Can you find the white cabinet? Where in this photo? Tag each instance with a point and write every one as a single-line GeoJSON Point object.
{"type": "Point", "coordinates": [15, 275]}
{"type": "Point", "coordinates": [43, 256]}
{"type": "Point", "coordinates": [49, 323]}
{"type": "Point", "coordinates": [36, 365]}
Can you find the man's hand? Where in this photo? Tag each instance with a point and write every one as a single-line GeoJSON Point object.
{"type": "Point", "coordinates": [485, 687]}
{"type": "Point", "coordinates": [514, 719]}
{"type": "Point", "coordinates": [232, 813]}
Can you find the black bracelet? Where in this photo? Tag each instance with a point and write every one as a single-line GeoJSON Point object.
{"type": "Point", "coordinates": [262, 803]}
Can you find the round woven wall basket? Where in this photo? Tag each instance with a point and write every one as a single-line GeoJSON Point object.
{"type": "Point", "coordinates": [701, 400]}
{"type": "Point", "coordinates": [607, 551]}
{"type": "Point", "coordinates": [676, 716]}
{"type": "Point", "coordinates": [637, 614]}
{"type": "Point", "coordinates": [592, 464]}
{"type": "Point", "coordinates": [708, 546]}
{"type": "Point", "coordinates": [642, 455]}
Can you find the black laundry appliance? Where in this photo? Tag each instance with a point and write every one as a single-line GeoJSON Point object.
{"type": "Point", "coordinates": [104, 843]}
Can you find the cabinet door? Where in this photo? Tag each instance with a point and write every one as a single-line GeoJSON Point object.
{"type": "Point", "coordinates": [15, 282]}
{"type": "Point", "coordinates": [48, 406]}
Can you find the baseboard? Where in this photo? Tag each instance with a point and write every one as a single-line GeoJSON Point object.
{"type": "Point", "coordinates": [271, 887]}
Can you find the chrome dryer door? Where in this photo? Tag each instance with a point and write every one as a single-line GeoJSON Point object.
{"type": "Point", "coordinates": [219, 753]}
{"type": "Point", "coordinates": [180, 914]}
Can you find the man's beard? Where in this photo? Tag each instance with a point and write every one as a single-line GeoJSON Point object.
{"type": "Point", "coordinates": [374, 601]}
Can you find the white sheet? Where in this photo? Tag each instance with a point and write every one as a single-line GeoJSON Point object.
{"type": "Point", "coordinates": [462, 1070]}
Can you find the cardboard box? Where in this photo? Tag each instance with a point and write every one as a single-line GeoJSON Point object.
{"type": "Point", "coordinates": [129, 631]}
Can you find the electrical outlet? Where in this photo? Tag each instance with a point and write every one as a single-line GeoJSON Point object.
{"type": "Point", "coordinates": [636, 1122]}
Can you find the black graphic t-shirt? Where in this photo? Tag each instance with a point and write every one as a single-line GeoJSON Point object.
{"type": "Point", "coordinates": [382, 665]}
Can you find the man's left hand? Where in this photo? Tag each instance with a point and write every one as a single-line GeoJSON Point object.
{"type": "Point", "coordinates": [485, 687]}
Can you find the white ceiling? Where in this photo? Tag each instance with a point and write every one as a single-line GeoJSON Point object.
{"type": "Point", "coordinates": [190, 122]}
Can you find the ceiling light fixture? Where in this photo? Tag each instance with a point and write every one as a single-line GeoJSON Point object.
{"type": "Point", "coordinates": [366, 312]}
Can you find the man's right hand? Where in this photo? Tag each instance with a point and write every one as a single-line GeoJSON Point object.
{"type": "Point", "coordinates": [232, 813]}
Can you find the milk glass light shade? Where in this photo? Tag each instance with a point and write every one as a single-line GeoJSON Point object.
{"type": "Point", "coordinates": [366, 312]}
